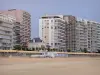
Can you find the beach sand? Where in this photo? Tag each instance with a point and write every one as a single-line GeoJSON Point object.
{"type": "Point", "coordinates": [50, 66]}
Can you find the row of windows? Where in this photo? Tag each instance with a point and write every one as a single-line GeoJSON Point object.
{"type": "Point", "coordinates": [5, 32]}
{"type": "Point", "coordinates": [54, 27]}
{"type": "Point", "coordinates": [54, 44]}
{"type": "Point", "coordinates": [47, 21]}
{"type": "Point", "coordinates": [6, 19]}
{"type": "Point", "coordinates": [53, 21]}
{"type": "Point", "coordinates": [6, 43]}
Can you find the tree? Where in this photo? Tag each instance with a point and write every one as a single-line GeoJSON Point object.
{"type": "Point", "coordinates": [48, 49]}
{"type": "Point", "coordinates": [54, 49]}
{"type": "Point", "coordinates": [27, 49]}
{"type": "Point", "coordinates": [85, 50]}
{"type": "Point", "coordinates": [23, 48]}
{"type": "Point", "coordinates": [37, 48]}
{"type": "Point", "coordinates": [98, 51]}
{"type": "Point", "coordinates": [33, 49]}
{"type": "Point", "coordinates": [59, 50]}
{"type": "Point", "coordinates": [81, 50]}
{"type": "Point", "coordinates": [42, 47]}
{"type": "Point", "coordinates": [17, 47]}
{"type": "Point", "coordinates": [68, 50]}
{"type": "Point", "coordinates": [62, 50]}
{"type": "Point", "coordinates": [51, 49]}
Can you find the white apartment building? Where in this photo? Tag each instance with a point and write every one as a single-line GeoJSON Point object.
{"type": "Point", "coordinates": [82, 34]}
{"type": "Point", "coordinates": [52, 31]}
{"type": "Point", "coordinates": [86, 35]}
{"type": "Point", "coordinates": [6, 31]}
{"type": "Point", "coordinates": [98, 36]}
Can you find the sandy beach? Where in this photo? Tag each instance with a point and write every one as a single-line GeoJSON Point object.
{"type": "Point", "coordinates": [50, 66]}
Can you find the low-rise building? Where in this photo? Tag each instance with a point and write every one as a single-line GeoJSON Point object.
{"type": "Point", "coordinates": [36, 43]}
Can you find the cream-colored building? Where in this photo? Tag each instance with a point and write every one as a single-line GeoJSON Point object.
{"type": "Point", "coordinates": [52, 30]}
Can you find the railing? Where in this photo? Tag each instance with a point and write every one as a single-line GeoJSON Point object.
{"type": "Point", "coordinates": [59, 54]}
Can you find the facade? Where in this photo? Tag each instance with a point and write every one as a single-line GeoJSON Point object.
{"type": "Point", "coordinates": [6, 31]}
{"type": "Point", "coordinates": [52, 30]}
{"type": "Point", "coordinates": [36, 43]}
{"type": "Point", "coordinates": [24, 18]}
{"type": "Point", "coordinates": [98, 36]}
{"type": "Point", "coordinates": [70, 23]}
{"type": "Point", "coordinates": [17, 35]}
{"type": "Point", "coordinates": [69, 32]}
{"type": "Point", "coordinates": [82, 34]}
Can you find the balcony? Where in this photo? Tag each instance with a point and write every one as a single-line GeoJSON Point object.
{"type": "Point", "coordinates": [3, 28]}
{"type": "Point", "coordinates": [1, 22]}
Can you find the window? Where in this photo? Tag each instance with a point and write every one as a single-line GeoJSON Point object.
{"type": "Point", "coordinates": [88, 35]}
{"type": "Point", "coordinates": [45, 36]}
{"type": "Point", "coordinates": [55, 20]}
{"type": "Point", "coordinates": [55, 27]}
{"type": "Point", "coordinates": [98, 26]}
{"type": "Point", "coordinates": [51, 20]}
{"type": "Point", "coordinates": [51, 43]}
{"type": "Point", "coordinates": [55, 44]}
{"type": "Point", "coordinates": [88, 44]}
{"type": "Point", "coordinates": [60, 40]}
{"type": "Point", "coordinates": [58, 37]}
{"type": "Point", "coordinates": [51, 27]}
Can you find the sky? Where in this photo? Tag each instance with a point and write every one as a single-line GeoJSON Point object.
{"type": "Point", "coordinates": [86, 9]}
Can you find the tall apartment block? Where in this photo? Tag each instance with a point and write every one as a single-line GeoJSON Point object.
{"type": "Point", "coordinates": [17, 33]}
{"type": "Point", "coordinates": [81, 33]}
{"type": "Point", "coordinates": [6, 31]}
{"type": "Point", "coordinates": [69, 32]}
{"type": "Point", "coordinates": [23, 20]}
{"type": "Point", "coordinates": [52, 31]}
